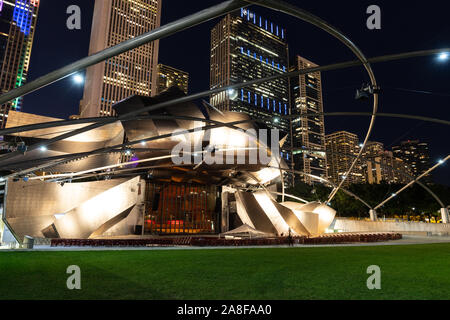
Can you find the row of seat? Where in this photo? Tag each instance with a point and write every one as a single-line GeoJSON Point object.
{"type": "Point", "coordinates": [214, 242]}
{"type": "Point", "coordinates": [111, 242]}
{"type": "Point", "coordinates": [351, 238]}
{"type": "Point", "coordinates": [217, 242]}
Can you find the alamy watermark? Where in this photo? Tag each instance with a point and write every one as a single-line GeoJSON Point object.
{"type": "Point", "coordinates": [74, 280]}
{"type": "Point", "coordinates": [374, 20]}
{"type": "Point", "coordinates": [374, 281]}
{"type": "Point", "coordinates": [74, 20]}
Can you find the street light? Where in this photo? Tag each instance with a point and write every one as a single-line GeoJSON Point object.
{"type": "Point", "coordinates": [78, 79]}
{"type": "Point", "coordinates": [232, 94]}
{"type": "Point", "coordinates": [444, 56]}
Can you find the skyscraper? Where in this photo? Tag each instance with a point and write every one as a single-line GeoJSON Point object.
{"type": "Point", "coordinates": [380, 165]}
{"type": "Point", "coordinates": [415, 154]}
{"type": "Point", "coordinates": [17, 26]}
{"type": "Point", "coordinates": [246, 46]}
{"type": "Point", "coordinates": [169, 76]}
{"type": "Point", "coordinates": [308, 133]}
{"type": "Point", "coordinates": [342, 148]}
{"type": "Point", "coordinates": [133, 72]}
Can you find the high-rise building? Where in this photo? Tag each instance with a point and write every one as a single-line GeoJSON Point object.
{"type": "Point", "coordinates": [169, 76]}
{"type": "Point", "coordinates": [246, 46]}
{"type": "Point", "coordinates": [342, 147]}
{"type": "Point", "coordinates": [133, 72]}
{"type": "Point", "coordinates": [308, 133]}
{"type": "Point", "coordinates": [17, 27]}
{"type": "Point", "coordinates": [415, 154]}
{"type": "Point", "coordinates": [380, 165]}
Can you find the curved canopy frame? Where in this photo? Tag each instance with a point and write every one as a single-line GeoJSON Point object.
{"type": "Point", "coordinates": [177, 26]}
{"type": "Point", "coordinates": [186, 23]}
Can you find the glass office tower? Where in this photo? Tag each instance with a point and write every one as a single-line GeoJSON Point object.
{"type": "Point", "coordinates": [17, 27]}
{"type": "Point", "coordinates": [246, 46]}
{"type": "Point", "coordinates": [308, 132]}
{"type": "Point", "coordinates": [132, 72]}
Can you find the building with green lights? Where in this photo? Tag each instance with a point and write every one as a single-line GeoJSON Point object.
{"type": "Point", "coordinates": [17, 26]}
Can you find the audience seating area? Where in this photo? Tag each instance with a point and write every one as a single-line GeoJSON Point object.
{"type": "Point", "coordinates": [334, 238]}
{"type": "Point", "coordinates": [112, 242]}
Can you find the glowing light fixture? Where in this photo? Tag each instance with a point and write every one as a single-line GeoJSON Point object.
{"type": "Point", "coordinates": [43, 148]}
{"type": "Point", "coordinates": [444, 56]}
{"type": "Point", "coordinates": [232, 94]}
{"type": "Point", "coordinates": [78, 79]}
{"type": "Point", "coordinates": [59, 215]}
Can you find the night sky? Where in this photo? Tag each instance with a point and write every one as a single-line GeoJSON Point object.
{"type": "Point", "coordinates": [406, 26]}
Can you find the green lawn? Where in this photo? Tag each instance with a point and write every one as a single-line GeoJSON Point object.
{"type": "Point", "coordinates": [408, 272]}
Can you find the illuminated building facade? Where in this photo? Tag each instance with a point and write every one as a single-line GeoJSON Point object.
{"type": "Point", "coordinates": [169, 76]}
{"type": "Point", "coordinates": [415, 154]}
{"type": "Point", "coordinates": [133, 72]}
{"type": "Point", "coordinates": [342, 147]}
{"type": "Point", "coordinates": [246, 46]}
{"type": "Point", "coordinates": [381, 166]}
{"type": "Point", "coordinates": [308, 133]}
{"type": "Point", "coordinates": [17, 26]}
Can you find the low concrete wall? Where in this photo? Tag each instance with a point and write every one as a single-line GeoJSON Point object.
{"type": "Point", "coordinates": [422, 228]}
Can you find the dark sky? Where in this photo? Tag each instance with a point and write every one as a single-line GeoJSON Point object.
{"type": "Point", "coordinates": [406, 26]}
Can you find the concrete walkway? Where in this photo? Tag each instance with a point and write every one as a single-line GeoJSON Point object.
{"type": "Point", "coordinates": [407, 240]}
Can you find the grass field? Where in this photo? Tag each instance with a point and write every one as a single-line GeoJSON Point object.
{"type": "Point", "coordinates": [408, 272]}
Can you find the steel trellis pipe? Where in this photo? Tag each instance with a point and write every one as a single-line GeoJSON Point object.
{"type": "Point", "coordinates": [206, 93]}
{"type": "Point", "coordinates": [276, 5]}
{"type": "Point", "coordinates": [325, 181]}
{"type": "Point", "coordinates": [399, 171]}
{"type": "Point", "coordinates": [181, 25]}
{"type": "Point", "coordinates": [412, 182]}
{"type": "Point", "coordinates": [155, 34]}
{"type": "Point", "coordinates": [60, 123]}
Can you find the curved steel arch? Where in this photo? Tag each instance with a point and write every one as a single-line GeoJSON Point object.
{"type": "Point", "coordinates": [155, 34]}
{"type": "Point", "coordinates": [324, 181]}
{"type": "Point", "coordinates": [126, 144]}
{"type": "Point", "coordinates": [318, 22]}
{"type": "Point", "coordinates": [183, 24]}
{"type": "Point", "coordinates": [399, 171]}
{"type": "Point", "coordinates": [412, 182]}
{"type": "Point", "coordinates": [221, 124]}
{"type": "Point", "coordinates": [196, 19]}
{"type": "Point", "coordinates": [289, 196]}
